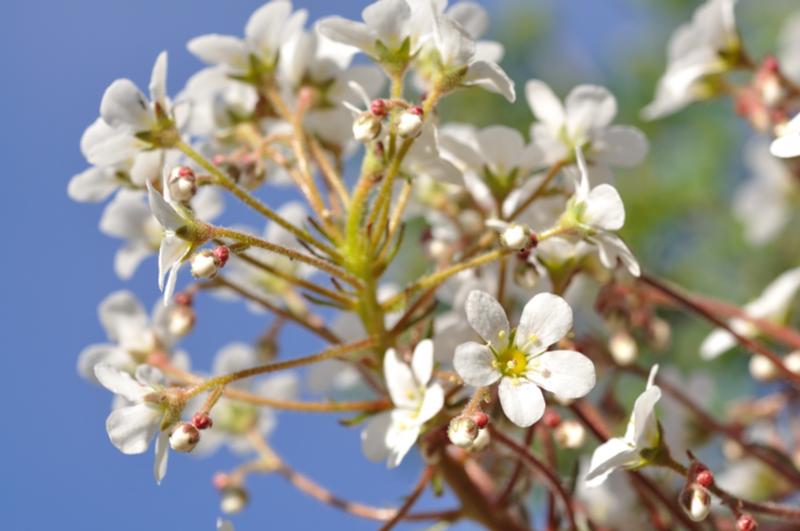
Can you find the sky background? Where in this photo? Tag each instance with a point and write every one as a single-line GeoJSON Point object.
{"type": "Point", "coordinates": [60, 471]}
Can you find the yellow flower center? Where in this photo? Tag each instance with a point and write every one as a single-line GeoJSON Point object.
{"type": "Point", "coordinates": [511, 362]}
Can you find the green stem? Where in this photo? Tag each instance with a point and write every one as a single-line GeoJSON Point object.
{"type": "Point", "coordinates": [250, 200]}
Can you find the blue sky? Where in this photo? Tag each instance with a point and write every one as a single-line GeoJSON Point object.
{"type": "Point", "coordinates": [60, 470]}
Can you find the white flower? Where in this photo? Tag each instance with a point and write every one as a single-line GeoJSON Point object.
{"type": "Point", "coordinates": [390, 435]}
{"type": "Point", "coordinates": [267, 29]}
{"type": "Point", "coordinates": [129, 218]}
{"type": "Point", "coordinates": [641, 434]}
{"type": "Point", "coordinates": [598, 212]}
{"type": "Point", "coordinates": [763, 204]}
{"type": "Point", "coordinates": [582, 121]}
{"type": "Point", "coordinates": [133, 335]}
{"type": "Point", "coordinates": [491, 160]}
{"type": "Point", "coordinates": [697, 51]}
{"type": "Point", "coordinates": [388, 32]}
{"type": "Point", "coordinates": [519, 358]}
{"type": "Point", "coordinates": [177, 243]}
{"type": "Point", "coordinates": [772, 305]}
{"type": "Point", "coordinates": [131, 427]}
{"type": "Point", "coordinates": [787, 145]}
{"type": "Point", "coordinates": [453, 51]}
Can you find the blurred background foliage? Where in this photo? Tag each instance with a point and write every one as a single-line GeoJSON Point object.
{"type": "Point", "coordinates": [678, 202]}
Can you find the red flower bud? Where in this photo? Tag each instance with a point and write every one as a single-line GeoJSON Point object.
{"type": "Point", "coordinates": [481, 419]}
{"type": "Point", "coordinates": [551, 418]}
{"type": "Point", "coordinates": [705, 478]}
{"type": "Point", "coordinates": [746, 522]}
{"type": "Point", "coordinates": [221, 254]}
{"type": "Point", "coordinates": [202, 421]}
{"type": "Point", "coordinates": [378, 108]}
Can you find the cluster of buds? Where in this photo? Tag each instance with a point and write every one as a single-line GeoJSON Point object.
{"type": "Point", "coordinates": [182, 183]}
{"type": "Point", "coordinates": [368, 124]}
{"type": "Point", "coordinates": [764, 102]}
{"type": "Point", "coordinates": [469, 432]}
{"type": "Point", "coordinates": [207, 263]}
{"type": "Point", "coordinates": [186, 435]}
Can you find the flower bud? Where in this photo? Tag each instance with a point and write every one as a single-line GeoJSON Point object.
{"type": "Point", "coordinates": [366, 127]}
{"type": "Point", "coordinates": [515, 237]}
{"type": "Point", "coordinates": [378, 108]}
{"type": "Point", "coordinates": [705, 478]}
{"type": "Point", "coordinates": [202, 421]}
{"type": "Point", "coordinates": [234, 499]}
{"type": "Point", "coordinates": [792, 361]}
{"type": "Point", "coordinates": [762, 369]}
{"type": "Point", "coordinates": [481, 441]}
{"type": "Point", "coordinates": [184, 438]}
{"type": "Point", "coordinates": [182, 183]}
{"type": "Point", "coordinates": [481, 419]}
{"type": "Point", "coordinates": [220, 481]}
{"type": "Point", "coordinates": [180, 320]}
{"type": "Point", "coordinates": [746, 522]}
{"type": "Point", "coordinates": [551, 418]}
{"type": "Point", "coordinates": [623, 348]}
{"type": "Point", "coordinates": [570, 434]}
{"type": "Point", "coordinates": [462, 431]}
{"type": "Point", "coordinates": [205, 264]}
{"type": "Point", "coordinates": [695, 501]}
{"type": "Point", "coordinates": [660, 333]}
{"type": "Point", "coordinates": [409, 124]}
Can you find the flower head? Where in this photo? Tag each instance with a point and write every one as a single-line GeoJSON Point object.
{"type": "Point", "coordinates": [390, 435]}
{"type": "Point", "coordinates": [519, 359]}
{"type": "Point", "coordinates": [131, 427]}
{"type": "Point", "coordinates": [642, 434]}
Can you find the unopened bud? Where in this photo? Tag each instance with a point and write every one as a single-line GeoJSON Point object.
{"type": "Point", "coordinates": [525, 274]}
{"type": "Point", "coordinates": [732, 450]}
{"type": "Point", "coordinates": [623, 348]}
{"type": "Point", "coordinates": [762, 368]}
{"type": "Point", "coordinates": [695, 501]}
{"type": "Point", "coordinates": [462, 431]}
{"type": "Point", "coordinates": [746, 522]}
{"type": "Point", "coordinates": [438, 249]}
{"type": "Point", "coordinates": [202, 421]}
{"type": "Point", "coordinates": [792, 361]}
{"type": "Point", "coordinates": [409, 124]}
{"type": "Point", "coordinates": [378, 108]}
{"type": "Point", "coordinates": [220, 481]}
{"type": "Point", "coordinates": [705, 478]}
{"type": "Point", "coordinates": [180, 320]}
{"type": "Point", "coordinates": [481, 419]}
{"type": "Point", "coordinates": [471, 221]}
{"type": "Point", "coordinates": [366, 127]}
{"type": "Point", "coordinates": [182, 183]}
{"type": "Point", "coordinates": [184, 438]}
{"type": "Point", "coordinates": [205, 264]}
{"type": "Point", "coordinates": [515, 237]}
{"type": "Point", "coordinates": [660, 333]}
{"type": "Point", "coordinates": [234, 499]}
{"type": "Point", "coordinates": [183, 298]}
{"type": "Point", "coordinates": [551, 419]}
{"type": "Point", "coordinates": [481, 441]}
{"type": "Point", "coordinates": [570, 434]}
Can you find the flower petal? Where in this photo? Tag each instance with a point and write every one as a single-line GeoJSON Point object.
{"type": "Point", "coordinates": [387, 19]}
{"type": "Point", "coordinates": [121, 314]}
{"type": "Point", "coordinates": [162, 453]}
{"type": "Point", "coordinates": [221, 49]}
{"type": "Point", "coordinates": [545, 319]}
{"type": "Point", "coordinates": [487, 317]}
{"type": "Point", "coordinates": [130, 428]}
{"type": "Point", "coordinates": [158, 81]}
{"type": "Point", "coordinates": [163, 211]}
{"type": "Point", "coordinates": [120, 383]}
{"type": "Point", "coordinates": [373, 438]}
{"type": "Point", "coordinates": [431, 404]}
{"type": "Point", "coordinates": [422, 361]}
{"type": "Point", "coordinates": [403, 389]}
{"type": "Point", "coordinates": [473, 362]}
{"type": "Point", "coordinates": [92, 185]}
{"type": "Point", "coordinates": [522, 401]}
{"type": "Point", "coordinates": [717, 342]}
{"type": "Point", "coordinates": [546, 106]}
{"type": "Point", "coordinates": [620, 145]}
{"type": "Point", "coordinates": [489, 76]}
{"type": "Point", "coordinates": [612, 454]}
{"type": "Point", "coordinates": [589, 107]}
{"type": "Point", "coordinates": [565, 373]}
{"type": "Point", "coordinates": [124, 105]}
{"type": "Point", "coordinates": [604, 208]}
{"type": "Point", "coordinates": [94, 355]}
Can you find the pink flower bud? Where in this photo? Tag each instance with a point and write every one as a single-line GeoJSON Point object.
{"type": "Point", "coordinates": [221, 254]}
{"type": "Point", "coordinates": [378, 108]}
{"type": "Point", "coordinates": [202, 421]}
{"type": "Point", "coordinates": [551, 419]}
{"type": "Point", "coordinates": [182, 183]}
{"type": "Point", "coordinates": [705, 478]}
{"type": "Point", "coordinates": [746, 522]}
{"type": "Point", "coordinates": [220, 480]}
{"type": "Point", "coordinates": [481, 419]}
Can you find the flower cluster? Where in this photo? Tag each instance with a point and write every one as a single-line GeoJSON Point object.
{"type": "Point", "coordinates": [420, 347]}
